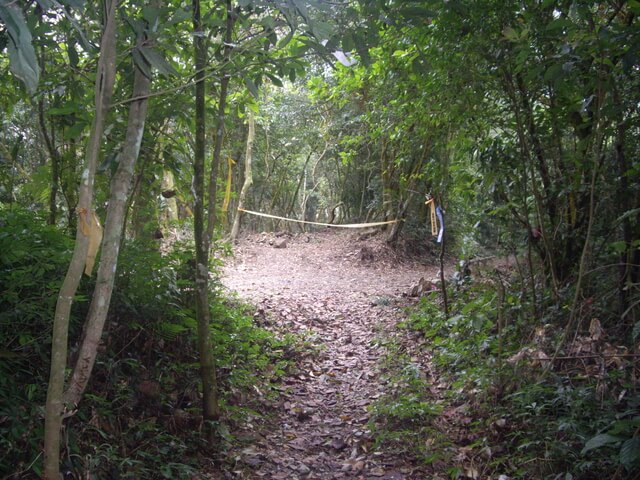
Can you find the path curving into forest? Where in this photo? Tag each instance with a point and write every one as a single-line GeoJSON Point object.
{"type": "Point", "coordinates": [344, 293]}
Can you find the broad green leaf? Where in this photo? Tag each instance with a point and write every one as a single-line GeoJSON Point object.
{"type": "Point", "coordinates": [268, 22]}
{"type": "Point", "coordinates": [322, 30]}
{"type": "Point", "coordinates": [73, 55]}
{"type": "Point", "coordinates": [348, 43]}
{"type": "Point", "coordinates": [553, 72]}
{"type": "Point", "coordinates": [302, 8]}
{"type": "Point", "coordinates": [68, 109]}
{"type": "Point", "coordinates": [559, 24]}
{"type": "Point", "coordinates": [22, 56]}
{"type": "Point", "coordinates": [618, 247]}
{"type": "Point", "coordinates": [179, 15]}
{"type": "Point", "coordinates": [141, 63]}
{"type": "Point", "coordinates": [630, 453]}
{"type": "Point", "coordinates": [273, 38]}
{"type": "Point", "coordinates": [275, 80]}
{"type": "Point", "coordinates": [75, 130]}
{"type": "Point", "coordinates": [157, 60]}
{"type": "Point", "coordinates": [599, 441]}
{"type": "Point", "coordinates": [138, 26]}
{"type": "Point", "coordinates": [253, 89]}
{"type": "Point", "coordinates": [151, 14]}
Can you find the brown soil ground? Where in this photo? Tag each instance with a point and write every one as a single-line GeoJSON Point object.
{"type": "Point", "coordinates": [343, 293]}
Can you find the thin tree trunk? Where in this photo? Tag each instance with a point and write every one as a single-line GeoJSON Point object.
{"type": "Point", "coordinates": [54, 408]}
{"type": "Point", "coordinates": [292, 204]}
{"type": "Point", "coordinates": [396, 228]}
{"type": "Point", "coordinates": [400, 215]}
{"type": "Point", "coordinates": [120, 191]}
{"type": "Point", "coordinates": [169, 186]}
{"type": "Point", "coordinates": [248, 177]}
{"type": "Point", "coordinates": [624, 197]}
{"type": "Point", "coordinates": [445, 300]}
{"type": "Point", "coordinates": [49, 142]}
{"type": "Point", "coordinates": [219, 134]}
{"type": "Point", "coordinates": [210, 407]}
{"type": "Point", "coordinates": [386, 176]}
{"type": "Point", "coordinates": [55, 164]}
{"type": "Point", "coordinates": [310, 189]}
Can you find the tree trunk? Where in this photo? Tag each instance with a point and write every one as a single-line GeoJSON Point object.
{"type": "Point", "coordinates": [627, 269]}
{"type": "Point", "coordinates": [396, 228]}
{"type": "Point", "coordinates": [443, 282]}
{"type": "Point", "coordinates": [289, 212]}
{"type": "Point", "coordinates": [248, 177]}
{"type": "Point", "coordinates": [49, 141]}
{"type": "Point", "coordinates": [54, 408]}
{"type": "Point", "coordinates": [219, 134]}
{"type": "Point", "coordinates": [120, 191]}
{"type": "Point", "coordinates": [170, 213]}
{"type": "Point", "coordinates": [210, 407]}
{"type": "Point", "coordinates": [386, 176]}
{"type": "Point", "coordinates": [416, 167]}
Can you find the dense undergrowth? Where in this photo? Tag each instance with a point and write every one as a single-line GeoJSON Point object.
{"type": "Point", "coordinates": [140, 416]}
{"type": "Point", "coordinates": [512, 394]}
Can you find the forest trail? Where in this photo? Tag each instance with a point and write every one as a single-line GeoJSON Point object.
{"type": "Point", "coordinates": [344, 294]}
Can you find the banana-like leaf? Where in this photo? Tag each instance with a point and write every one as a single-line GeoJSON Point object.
{"type": "Point", "coordinates": [22, 56]}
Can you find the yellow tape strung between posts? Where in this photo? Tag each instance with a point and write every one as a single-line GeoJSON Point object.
{"type": "Point", "coordinates": [350, 225]}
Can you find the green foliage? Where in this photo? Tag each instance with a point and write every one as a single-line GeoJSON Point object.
{"type": "Point", "coordinates": [542, 425]}
{"type": "Point", "coordinates": [460, 341]}
{"type": "Point", "coordinates": [578, 433]}
{"type": "Point", "coordinates": [403, 418]}
{"type": "Point", "coordinates": [24, 64]}
{"type": "Point", "coordinates": [143, 403]}
{"type": "Point", "coordinates": [33, 260]}
{"type": "Point", "coordinates": [146, 399]}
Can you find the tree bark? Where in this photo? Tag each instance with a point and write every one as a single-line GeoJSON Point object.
{"type": "Point", "coordinates": [289, 212]}
{"type": "Point", "coordinates": [386, 174]}
{"type": "Point", "coordinates": [443, 282]}
{"type": "Point", "coordinates": [49, 141]}
{"type": "Point", "coordinates": [210, 407]}
{"type": "Point", "coordinates": [401, 213]}
{"type": "Point", "coordinates": [219, 134]}
{"type": "Point", "coordinates": [170, 213]}
{"type": "Point", "coordinates": [54, 408]}
{"type": "Point", "coordinates": [120, 191]}
{"type": "Point", "coordinates": [248, 178]}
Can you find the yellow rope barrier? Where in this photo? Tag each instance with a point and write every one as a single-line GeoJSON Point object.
{"type": "Point", "coordinates": [350, 225]}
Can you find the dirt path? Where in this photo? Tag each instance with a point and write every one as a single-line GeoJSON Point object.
{"type": "Point", "coordinates": [343, 294]}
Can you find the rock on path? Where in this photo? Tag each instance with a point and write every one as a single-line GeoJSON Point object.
{"type": "Point", "coordinates": [343, 302]}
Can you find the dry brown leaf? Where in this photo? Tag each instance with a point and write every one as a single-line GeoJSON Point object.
{"type": "Point", "coordinates": [595, 329]}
